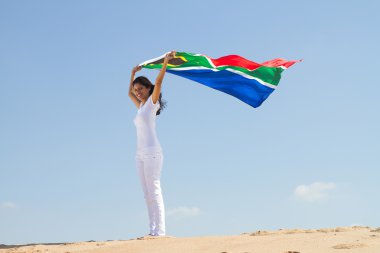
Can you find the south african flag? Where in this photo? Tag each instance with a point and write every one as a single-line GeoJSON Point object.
{"type": "Point", "coordinates": [246, 80]}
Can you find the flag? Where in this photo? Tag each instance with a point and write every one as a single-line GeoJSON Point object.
{"type": "Point", "coordinates": [246, 80]}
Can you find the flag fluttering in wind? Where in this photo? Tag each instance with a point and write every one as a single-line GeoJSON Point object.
{"type": "Point", "coordinates": [246, 80]}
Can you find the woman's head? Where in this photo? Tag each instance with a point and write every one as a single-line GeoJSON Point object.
{"type": "Point", "coordinates": [143, 88]}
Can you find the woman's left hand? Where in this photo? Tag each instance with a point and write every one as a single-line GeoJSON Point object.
{"type": "Point", "coordinates": [170, 55]}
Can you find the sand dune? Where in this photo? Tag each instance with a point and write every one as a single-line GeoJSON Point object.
{"type": "Point", "coordinates": [329, 240]}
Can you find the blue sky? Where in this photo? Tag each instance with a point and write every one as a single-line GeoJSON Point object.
{"type": "Point", "coordinates": [307, 158]}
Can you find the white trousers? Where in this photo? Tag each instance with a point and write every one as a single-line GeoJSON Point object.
{"type": "Point", "coordinates": [149, 166]}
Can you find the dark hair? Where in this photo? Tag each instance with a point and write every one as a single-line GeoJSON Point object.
{"type": "Point", "coordinates": [148, 84]}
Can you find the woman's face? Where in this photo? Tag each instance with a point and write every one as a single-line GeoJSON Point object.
{"type": "Point", "coordinates": [141, 92]}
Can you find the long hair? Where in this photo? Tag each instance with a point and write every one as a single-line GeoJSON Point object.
{"type": "Point", "coordinates": [148, 84]}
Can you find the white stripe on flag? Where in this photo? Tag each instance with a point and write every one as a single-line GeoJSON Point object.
{"type": "Point", "coordinates": [154, 59]}
{"type": "Point", "coordinates": [189, 68]}
{"type": "Point", "coordinates": [251, 77]}
{"type": "Point", "coordinates": [231, 70]}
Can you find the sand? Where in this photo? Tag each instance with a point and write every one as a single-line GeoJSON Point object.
{"type": "Point", "coordinates": [335, 240]}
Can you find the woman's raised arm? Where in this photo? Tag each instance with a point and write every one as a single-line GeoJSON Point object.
{"type": "Point", "coordinates": [160, 77]}
{"type": "Point", "coordinates": [130, 93]}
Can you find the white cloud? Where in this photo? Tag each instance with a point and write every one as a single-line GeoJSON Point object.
{"type": "Point", "coordinates": [183, 211]}
{"type": "Point", "coordinates": [314, 192]}
{"type": "Point", "coordinates": [8, 205]}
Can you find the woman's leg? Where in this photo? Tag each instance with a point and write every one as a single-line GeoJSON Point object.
{"type": "Point", "coordinates": [141, 173]}
{"type": "Point", "coordinates": [152, 168]}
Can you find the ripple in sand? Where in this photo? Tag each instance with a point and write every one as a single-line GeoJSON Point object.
{"type": "Point", "coordinates": [301, 231]}
{"type": "Point", "coordinates": [349, 246]}
{"type": "Point", "coordinates": [260, 232]}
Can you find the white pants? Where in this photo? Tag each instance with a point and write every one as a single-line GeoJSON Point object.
{"type": "Point", "coordinates": [149, 166]}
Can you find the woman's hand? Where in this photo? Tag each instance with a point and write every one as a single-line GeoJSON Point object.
{"type": "Point", "coordinates": [170, 55]}
{"type": "Point", "coordinates": [131, 93]}
{"type": "Point", "coordinates": [136, 68]}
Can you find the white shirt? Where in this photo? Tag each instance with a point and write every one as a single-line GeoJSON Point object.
{"type": "Point", "coordinates": [145, 122]}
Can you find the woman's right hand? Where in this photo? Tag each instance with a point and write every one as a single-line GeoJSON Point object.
{"type": "Point", "coordinates": [136, 68]}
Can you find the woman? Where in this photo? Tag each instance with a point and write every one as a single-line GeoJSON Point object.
{"type": "Point", "coordinates": [149, 155]}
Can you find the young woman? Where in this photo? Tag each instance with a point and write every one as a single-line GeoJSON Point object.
{"type": "Point", "coordinates": [149, 155]}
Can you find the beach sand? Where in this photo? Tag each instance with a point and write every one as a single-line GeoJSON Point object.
{"type": "Point", "coordinates": [335, 240]}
